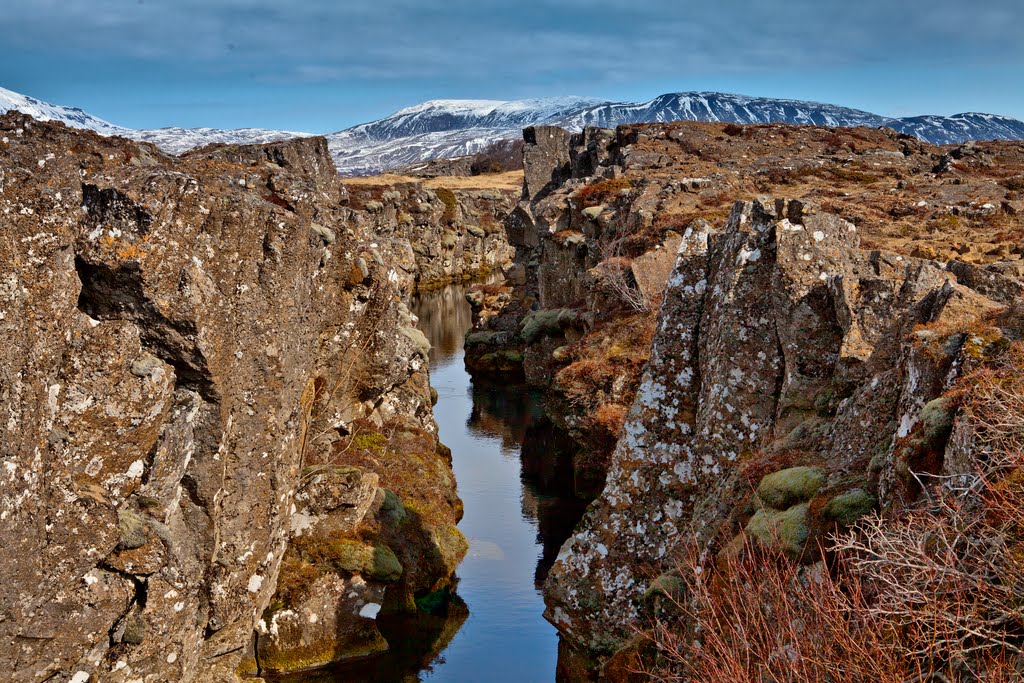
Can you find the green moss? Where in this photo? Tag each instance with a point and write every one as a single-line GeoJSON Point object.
{"type": "Point", "coordinates": [824, 403]}
{"type": "Point", "coordinates": [373, 442]}
{"type": "Point", "coordinates": [786, 530]}
{"type": "Point", "coordinates": [392, 512]}
{"type": "Point", "coordinates": [669, 586]}
{"type": "Point", "coordinates": [481, 338]}
{"type": "Point", "coordinates": [783, 489]}
{"type": "Point", "coordinates": [375, 561]}
{"type": "Point", "coordinates": [450, 239]}
{"type": "Point", "coordinates": [547, 322]}
{"type": "Point", "coordinates": [847, 507]}
{"type": "Point", "coordinates": [512, 356]}
{"type": "Point", "coordinates": [451, 544]}
{"type": "Point", "coordinates": [937, 418]}
{"type": "Point", "coordinates": [134, 629]}
{"type": "Point", "coordinates": [418, 339]}
{"type": "Point", "coordinates": [476, 231]}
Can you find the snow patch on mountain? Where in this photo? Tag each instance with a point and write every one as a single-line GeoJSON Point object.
{"type": "Point", "coordinates": [449, 128]}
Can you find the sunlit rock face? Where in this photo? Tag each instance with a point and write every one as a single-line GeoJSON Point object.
{"type": "Point", "coordinates": [432, 237]}
{"type": "Point", "coordinates": [777, 336]}
{"type": "Point", "coordinates": [177, 338]}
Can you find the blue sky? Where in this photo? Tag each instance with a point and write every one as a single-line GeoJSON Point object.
{"type": "Point", "coordinates": [322, 65]}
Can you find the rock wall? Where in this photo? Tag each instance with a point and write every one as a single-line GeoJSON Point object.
{"type": "Point", "coordinates": [432, 237]}
{"type": "Point", "coordinates": [181, 338]}
{"type": "Point", "coordinates": [781, 348]}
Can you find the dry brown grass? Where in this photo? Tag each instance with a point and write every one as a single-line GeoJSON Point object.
{"type": "Point", "coordinates": [511, 180]}
{"type": "Point", "coordinates": [935, 594]}
{"type": "Point", "coordinates": [602, 191]}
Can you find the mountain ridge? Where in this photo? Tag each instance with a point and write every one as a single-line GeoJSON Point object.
{"type": "Point", "coordinates": [450, 128]}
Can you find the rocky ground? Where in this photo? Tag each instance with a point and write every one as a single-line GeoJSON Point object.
{"type": "Point", "coordinates": [801, 349]}
{"type": "Point", "coordinates": [216, 415]}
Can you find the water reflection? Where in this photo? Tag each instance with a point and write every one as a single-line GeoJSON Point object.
{"type": "Point", "coordinates": [515, 477]}
{"type": "Point", "coordinates": [516, 414]}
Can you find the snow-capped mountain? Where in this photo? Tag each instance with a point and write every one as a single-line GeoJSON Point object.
{"type": "Point", "coordinates": [178, 140]}
{"type": "Point", "coordinates": [44, 111]}
{"type": "Point", "coordinates": [173, 140]}
{"type": "Point", "coordinates": [448, 128]}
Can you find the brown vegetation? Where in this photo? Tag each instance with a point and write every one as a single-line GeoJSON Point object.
{"type": "Point", "coordinates": [602, 191]}
{"type": "Point", "coordinates": [933, 594]}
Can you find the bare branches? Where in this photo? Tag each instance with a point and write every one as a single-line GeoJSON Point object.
{"type": "Point", "coordinates": [935, 594]}
{"type": "Point", "coordinates": [615, 274]}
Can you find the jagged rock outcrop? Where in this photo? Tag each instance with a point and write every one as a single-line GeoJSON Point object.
{"type": "Point", "coordinates": [780, 343]}
{"type": "Point", "coordinates": [180, 339]}
{"type": "Point", "coordinates": [599, 224]}
{"type": "Point", "coordinates": [432, 237]}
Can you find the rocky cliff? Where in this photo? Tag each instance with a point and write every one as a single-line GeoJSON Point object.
{"type": "Point", "coordinates": [434, 235]}
{"type": "Point", "coordinates": [801, 349]}
{"type": "Point", "coordinates": [208, 384]}
{"type": "Point", "coordinates": [781, 348]}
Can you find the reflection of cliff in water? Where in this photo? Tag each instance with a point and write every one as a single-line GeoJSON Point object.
{"type": "Point", "coordinates": [445, 316]}
{"type": "Point", "coordinates": [415, 646]}
{"type": "Point", "coordinates": [516, 414]}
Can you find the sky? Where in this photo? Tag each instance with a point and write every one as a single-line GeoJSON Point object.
{"type": "Point", "coordinates": [323, 65]}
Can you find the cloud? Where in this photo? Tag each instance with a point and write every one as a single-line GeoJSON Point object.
{"type": "Point", "coordinates": [329, 41]}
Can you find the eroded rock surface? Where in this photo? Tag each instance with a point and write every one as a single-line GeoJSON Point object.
{"type": "Point", "coordinates": [434, 236]}
{"type": "Point", "coordinates": [779, 343]}
{"type": "Point", "coordinates": [180, 339]}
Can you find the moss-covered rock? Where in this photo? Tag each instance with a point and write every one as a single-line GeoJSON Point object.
{"type": "Point", "coordinates": [547, 322]}
{"type": "Point", "coordinates": [785, 488]}
{"type": "Point", "coordinates": [476, 231]}
{"type": "Point", "coordinates": [392, 512]}
{"type": "Point", "coordinates": [376, 561]}
{"type": "Point", "coordinates": [667, 586]}
{"type": "Point", "coordinates": [785, 530]}
{"type": "Point", "coordinates": [849, 506]}
{"type": "Point", "coordinates": [937, 418]}
{"type": "Point", "coordinates": [481, 338]}
{"type": "Point", "coordinates": [134, 629]}
{"type": "Point", "coordinates": [418, 339]}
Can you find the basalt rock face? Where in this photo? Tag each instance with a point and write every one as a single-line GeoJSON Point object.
{"type": "Point", "coordinates": [782, 347]}
{"type": "Point", "coordinates": [180, 338]}
{"type": "Point", "coordinates": [432, 237]}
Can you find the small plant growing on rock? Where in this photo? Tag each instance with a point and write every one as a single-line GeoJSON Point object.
{"type": "Point", "coordinates": [602, 191]}
{"type": "Point", "coordinates": [451, 204]}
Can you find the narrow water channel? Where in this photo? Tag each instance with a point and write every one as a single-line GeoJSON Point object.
{"type": "Point", "coordinates": [515, 477]}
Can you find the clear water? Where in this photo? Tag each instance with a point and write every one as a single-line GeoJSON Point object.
{"type": "Point", "coordinates": [518, 511]}
{"type": "Point", "coordinates": [515, 478]}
